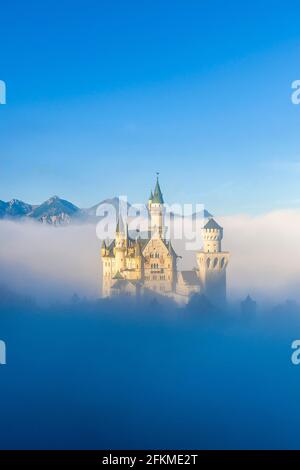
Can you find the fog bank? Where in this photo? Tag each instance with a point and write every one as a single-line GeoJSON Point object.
{"type": "Point", "coordinates": [53, 263]}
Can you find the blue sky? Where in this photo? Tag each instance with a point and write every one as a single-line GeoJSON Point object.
{"type": "Point", "coordinates": [102, 94]}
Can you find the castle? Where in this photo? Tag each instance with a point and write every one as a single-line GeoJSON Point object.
{"type": "Point", "coordinates": [149, 264]}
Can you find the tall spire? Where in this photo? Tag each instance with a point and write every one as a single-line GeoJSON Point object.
{"type": "Point", "coordinates": [157, 196]}
{"type": "Point", "coordinates": [138, 248]}
{"type": "Point", "coordinates": [120, 226]}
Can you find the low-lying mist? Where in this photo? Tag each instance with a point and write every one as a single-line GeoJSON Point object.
{"type": "Point", "coordinates": [50, 263]}
{"type": "Point", "coordinates": [53, 263]}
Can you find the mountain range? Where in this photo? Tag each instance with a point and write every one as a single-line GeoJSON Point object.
{"type": "Point", "coordinates": [57, 211]}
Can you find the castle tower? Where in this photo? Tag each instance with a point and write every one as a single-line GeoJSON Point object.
{"type": "Point", "coordinates": [248, 306]}
{"type": "Point", "coordinates": [212, 263]}
{"type": "Point", "coordinates": [120, 249]}
{"type": "Point", "coordinates": [156, 209]}
{"type": "Point", "coordinates": [103, 249]}
{"type": "Point", "coordinates": [150, 200]}
{"type": "Point", "coordinates": [107, 269]}
{"type": "Point", "coordinates": [138, 260]}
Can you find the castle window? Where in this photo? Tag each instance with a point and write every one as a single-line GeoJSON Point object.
{"type": "Point", "coordinates": [208, 262]}
{"type": "Point", "coordinates": [222, 262]}
{"type": "Point", "coordinates": [215, 262]}
{"type": "Point", "coordinates": [154, 266]}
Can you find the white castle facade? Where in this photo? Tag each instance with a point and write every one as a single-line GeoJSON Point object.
{"type": "Point", "coordinates": [149, 264]}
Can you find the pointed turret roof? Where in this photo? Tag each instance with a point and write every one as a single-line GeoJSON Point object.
{"type": "Point", "coordinates": [212, 224]}
{"type": "Point", "coordinates": [138, 250]}
{"type": "Point", "coordinates": [157, 196]}
{"type": "Point", "coordinates": [111, 248]}
{"type": "Point", "coordinates": [249, 299]}
{"type": "Point", "coordinates": [120, 226]}
{"type": "Point", "coordinates": [151, 196]}
{"type": "Point", "coordinates": [103, 244]}
{"type": "Point", "coordinates": [118, 275]}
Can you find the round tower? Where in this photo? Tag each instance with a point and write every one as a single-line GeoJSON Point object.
{"type": "Point", "coordinates": [150, 200]}
{"type": "Point", "coordinates": [212, 235]}
{"type": "Point", "coordinates": [138, 258]}
{"type": "Point", "coordinates": [103, 249]}
{"type": "Point", "coordinates": [120, 246]}
{"type": "Point", "coordinates": [156, 209]}
{"type": "Point", "coordinates": [212, 263]}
